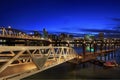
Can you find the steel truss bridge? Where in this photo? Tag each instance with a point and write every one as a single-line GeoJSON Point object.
{"type": "Point", "coordinates": [17, 34]}
{"type": "Point", "coordinates": [15, 37]}
{"type": "Point", "coordinates": [17, 62]}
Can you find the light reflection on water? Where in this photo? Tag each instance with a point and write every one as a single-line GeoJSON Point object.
{"type": "Point", "coordinates": [70, 71]}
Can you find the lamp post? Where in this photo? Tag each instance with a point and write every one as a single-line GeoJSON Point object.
{"type": "Point", "coordinates": [84, 45]}
{"type": "Point", "coordinates": [95, 48]}
{"type": "Point", "coordinates": [101, 46]}
{"type": "Point", "coordinates": [105, 44]}
{"type": "Point", "coordinates": [90, 46]}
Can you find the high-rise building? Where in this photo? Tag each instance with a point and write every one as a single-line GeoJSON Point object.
{"type": "Point", "coordinates": [45, 33]}
{"type": "Point", "coordinates": [101, 35]}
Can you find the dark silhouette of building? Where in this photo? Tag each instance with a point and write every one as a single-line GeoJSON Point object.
{"type": "Point", "coordinates": [45, 33]}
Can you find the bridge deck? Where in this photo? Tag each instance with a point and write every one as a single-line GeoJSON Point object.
{"type": "Point", "coordinates": [17, 62]}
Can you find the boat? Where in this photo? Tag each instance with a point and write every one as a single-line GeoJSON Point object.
{"type": "Point", "coordinates": [110, 64]}
{"type": "Point", "coordinates": [97, 62]}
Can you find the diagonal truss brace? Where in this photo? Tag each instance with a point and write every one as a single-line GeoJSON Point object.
{"type": "Point", "coordinates": [10, 61]}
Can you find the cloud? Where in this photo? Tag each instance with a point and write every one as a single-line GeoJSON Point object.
{"type": "Point", "coordinates": [116, 19]}
{"type": "Point", "coordinates": [97, 30]}
{"type": "Point", "coordinates": [71, 28]}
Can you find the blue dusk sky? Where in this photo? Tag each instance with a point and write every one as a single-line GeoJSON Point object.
{"type": "Point", "coordinates": [60, 15]}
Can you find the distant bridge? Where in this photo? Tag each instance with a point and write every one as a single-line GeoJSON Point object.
{"type": "Point", "coordinates": [17, 62]}
{"type": "Point", "coordinates": [15, 37]}
{"type": "Point", "coordinates": [17, 34]}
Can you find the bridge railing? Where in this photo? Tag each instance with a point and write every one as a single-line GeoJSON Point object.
{"type": "Point", "coordinates": [16, 60]}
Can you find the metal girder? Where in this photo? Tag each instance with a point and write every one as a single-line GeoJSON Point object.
{"type": "Point", "coordinates": [42, 57]}
{"type": "Point", "coordinates": [10, 61]}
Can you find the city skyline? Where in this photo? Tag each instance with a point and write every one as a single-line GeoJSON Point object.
{"type": "Point", "coordinates": [72, 16]}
